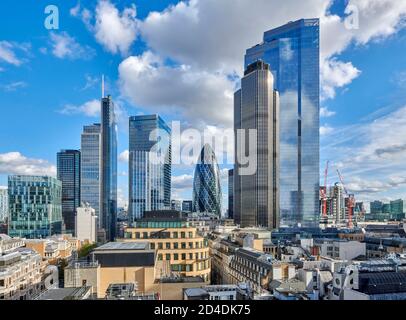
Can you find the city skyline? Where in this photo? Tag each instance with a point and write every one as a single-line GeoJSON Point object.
{"type": "Point", "coordinates": [82, 50]}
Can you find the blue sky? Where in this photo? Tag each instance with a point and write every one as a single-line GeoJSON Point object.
{"type": "Point", "coordinates": [182, 60]}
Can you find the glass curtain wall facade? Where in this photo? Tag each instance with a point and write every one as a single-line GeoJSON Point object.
{"type": "Point", "coordinates": [3, 204]}
{"type": "Point", "coordinates": [150, 160]}
{"type": "Point", "coordinates": [206, 183]}
{"type": "Point", "coordinates": [292, 51]}
{"type": "Point", "coordinates": [257, 107]}
{"type": "Point", "coordinates": [231, 193]}
{"type": "Point", "coordinates": [35, 204]}
{"type": "Point", "coordinates": [90, 166]}
{"type": "Point", "coordinates": [68, 172]}
{"type": "Point", "coordinates": [108, 204]}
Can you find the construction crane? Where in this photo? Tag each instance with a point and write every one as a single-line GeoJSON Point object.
{"type": "Point", "coordinates": [350, 202]}
{"type": "Point", "coordinates": [324, 191]}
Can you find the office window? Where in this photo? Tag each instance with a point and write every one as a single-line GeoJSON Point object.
{"type": "Point", "coordinates": [183, 235]}
{"type": "Point", "coordinates": [190, 234]}
{"type": "Point", "coordinates": [183, 256]}
{"type": "Point", "coordinates": [190, 245]}
{"type": "Point", "coordinates": [159, 256]}
{"type": "Point", "coordinates": [183, 245]}
{"type": "Point", "coordinates": [175, 245]}
{"type": "Point", "coordinates": [168, 257]}
{"type": "Point", "coordinates": [175, 235]}
{"type": "Point", "coordinates": [168, 245]}
{"type": "Point", "coordinates": [175, 256]}
{"type": "Point", "coordinates": [160, 245]}
{"type": "Point", "coordinates": [152, 246]}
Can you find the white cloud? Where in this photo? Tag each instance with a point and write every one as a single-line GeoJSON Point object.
{"type": "Point", "coordinates": [181, 185]}
{"type": "Point", "coordinates": [114, 30]}
{"type": "Point", "coordinates": [14, 86]}
{"type": "Point", "coordinates": [8, 52]}
{"type": "Point", "coordinates": [214, 35]}
{"type": "Point", "coordinates": [325, 130]}
{"type": "Point", "coordinates": [91, 109]}
{"type": "Point", "coordinates": [122, 198]}
{"type": "Point", "coordinates": [198, 96]}
{"type": "Point", "coordinates": [326, 113]}
{"type": "Point", "coordinates": [124, 156]}
{"type": "Point", "coordinates": [65, 46]}
{"type": "Point", "coordinates": [90, 82]}
{"type": "Point", "coordinates": [336, 74]}
{"type": "Point", "coordinates": [16, 163]}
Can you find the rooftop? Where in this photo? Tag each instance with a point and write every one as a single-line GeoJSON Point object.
{"type": "Point", "coordinates": [123, 246]}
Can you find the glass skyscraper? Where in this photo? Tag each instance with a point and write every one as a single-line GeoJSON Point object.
{"type": "Point", "coordinates": [150, 160]}
{"type": "Point", "coordinates": [68, 172]}
{"type": "Point", "coordinates": [231, 194]}
{"type": "Point", "coordinates": [206, 183]}
{"type": "Point", "coordinates": [3, 204]}
{"type": "Point", "coordinates": [108, 177]}
{"type": "Point", "coordinates": [90, 166]}
{"type": "Point", "coordinates": [292, 51]}
{"type": "Point", "coordinates": [35, 208]}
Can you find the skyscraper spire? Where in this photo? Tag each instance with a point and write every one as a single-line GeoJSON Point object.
{"type": "Point", "coordinates": [102, 86]}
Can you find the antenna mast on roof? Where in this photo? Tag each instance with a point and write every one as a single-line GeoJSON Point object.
{"type": "Point", "coordinates": [102, 86]}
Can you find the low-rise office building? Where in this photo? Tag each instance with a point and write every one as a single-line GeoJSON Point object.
{"type": "Point", "coordinates": [182, 249]}
{"type": "Point", "coordinates": [125, 263]}
{"type": "Point", "coordinates": [342, 249]}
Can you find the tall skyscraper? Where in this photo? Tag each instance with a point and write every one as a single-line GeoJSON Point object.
{"type": "Point", "coordinates": [3, 204]}
{"type": "Point", "coordinates": [35, 206]}
{"type": "Point", "coordinates": [206, 183]}
{"type": "Point", "coordinates": [108, 181]}
{"type": "Point", "coordinates": [68, 172]}
{"type": "Point", "coordinates": [292, 51]}
{"type": "Point", "coordinates": [256, 107]}
{"type": "Point", "coordinates": [90, 166]}
{"type": "Point", "coordinates": [231, 193]}
{"type": "Point", "coordinates": [150, 159]}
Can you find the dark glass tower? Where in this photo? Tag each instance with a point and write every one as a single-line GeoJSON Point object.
{"type": "Point", "coordinates": [256, 107]}
{"type": "Point", "coordinates": [292, 51]}
{"type": "Point", "coordinates": [206, 183]}
{"type": "Point", "coordinates": [231, 193]}
{"type": "Point", "coordinates": [150, 161]}
{"type": "Point", "coordinates": [68, 172]}
{"type": "Point", "coordinates": [108, 183]}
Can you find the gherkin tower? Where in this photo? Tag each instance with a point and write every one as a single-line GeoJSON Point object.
{"type": "Point", "coordinates": [206, 184]}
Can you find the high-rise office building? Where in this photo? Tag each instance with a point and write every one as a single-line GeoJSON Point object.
{"type": "Point", "coordinates": [150, 159]}
{"type": "Point", "coordinates": [337, 203]}
{"type": "Point", "coordinates": [68, 172]}
{"type": "Point", "coordinates": [90, 166]}
{"type": "Point", "coordinates": [292, 51]}
{"type": "Point", "coordinates": [256, 107]}
{"type": "Point", "coordinates": [396, 207]}
{"type": "Point", "coordinates": [206, 183]}
{"type": "Point", "coordinates": [35, 208]}
{"type": "Point", "coordinates": [376, 207]}
{"type": "Point", "coordinates": [187, 205]}
{"type": "Point", "coordinates": [108, 173]}
{"type": "Point", "coordinates": [3, 204]}
{"type": "Point", "coordinates": [231, 193]}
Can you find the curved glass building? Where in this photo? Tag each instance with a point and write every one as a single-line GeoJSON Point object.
{"type": "Point", "coordinates": [206, 183]}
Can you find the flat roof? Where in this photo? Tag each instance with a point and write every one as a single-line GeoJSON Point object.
{"type": "Point", "coordinates": [123, 246]}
